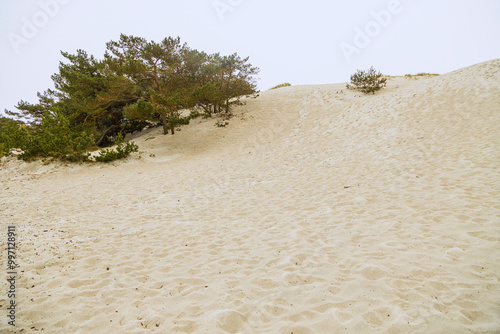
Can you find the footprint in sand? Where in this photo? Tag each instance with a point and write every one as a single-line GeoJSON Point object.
{"type": "Point", "coordinates": [229, 321]}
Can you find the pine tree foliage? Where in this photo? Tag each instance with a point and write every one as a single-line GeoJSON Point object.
{"type": "Point", "coordinates": [137, 83]}
{"type": "Point", "coordinates": [368, 81]}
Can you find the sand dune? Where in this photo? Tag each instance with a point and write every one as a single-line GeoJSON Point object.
{"type": "Point", "coordinates": [317, 210]}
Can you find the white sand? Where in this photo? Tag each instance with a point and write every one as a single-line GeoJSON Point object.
{"type": "Point", "coordinates": [317, 210]}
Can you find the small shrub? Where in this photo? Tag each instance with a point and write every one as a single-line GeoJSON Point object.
{"type": "Point", "coordinates": [286, 84]}
{"type": "Point", "coordinates": [367, 81]}
{"type": "Point", "coordinates": [222, 124]}
{"type": "Point", "coordinates": [123, 150]}
{"type": "Point", "coordinates": [194, 114]}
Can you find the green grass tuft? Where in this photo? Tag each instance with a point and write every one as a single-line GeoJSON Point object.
{"type": "Point", "coordinates": [286, 84]}
{"type": "Point", "coordinates": [419, 75]}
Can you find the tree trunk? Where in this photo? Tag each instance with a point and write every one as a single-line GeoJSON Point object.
{"type": "Point", "coordinates": [164, 123]}
{"type": "Point", "coordinates": [208, 110]}
{"type": "Point", "coordinates": [172, 115]}
{"type": "Point", "coordinates": [99, 141]}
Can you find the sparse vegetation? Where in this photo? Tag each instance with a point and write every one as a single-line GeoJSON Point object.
{"type": "Point", "coordinates": [123, 149]}
{"type": "Point", "coordinates": [367, 81]}
{"type": "Point", "coordinates": [222, 123]}
{"type": "Point", "coordinates": [286, 84]}
{"type": "Point", "coordinates": [420, 75]}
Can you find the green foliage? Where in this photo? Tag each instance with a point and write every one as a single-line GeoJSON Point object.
{"type": "Point", "coordinates": [220, 82]}
{"type": "Point", "coordinates": [206, 96]}
{"type": "Point", "coordinates": [194, 114]}
{"type": "Point", "coordinates": [51, 138]}
{"type": "Point", "coordinates": [137, 83]}
{"type": "Point", "coordinates": [286, 84]}
{"type": "Point", "coordinates": [138, 110]}
{"type": "Point", "coordinates": [123, 150]}
{"type": "Point", "coordinates": [174, 77]}
{"type": "Point", "coordinates": [367, 81]}
{"type": "Point", "coordinates": [6, 128]}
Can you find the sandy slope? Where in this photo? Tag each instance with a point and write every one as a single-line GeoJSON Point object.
{"type": "Point", "coordinates": [317, 210]}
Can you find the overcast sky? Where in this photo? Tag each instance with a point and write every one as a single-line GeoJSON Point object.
{"type": "Point", "coordinates": [301, 42]}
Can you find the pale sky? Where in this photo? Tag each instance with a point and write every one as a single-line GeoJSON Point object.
{"type": "Point", "coordinates": [301, 42]}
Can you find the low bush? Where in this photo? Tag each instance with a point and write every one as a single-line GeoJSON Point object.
{"type": "Point", "coordinates": [123, 150]}
{"type": "Point", "coordinates": [50, 138]}
{"type": "Point", "coordinates": [367, 81]}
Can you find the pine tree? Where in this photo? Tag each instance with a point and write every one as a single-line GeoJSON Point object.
{"type": "Point", "coordinates": [138, 82]}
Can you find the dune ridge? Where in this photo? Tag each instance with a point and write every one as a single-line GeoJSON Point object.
{"type": "Point", "coordinates": [317, 210]}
